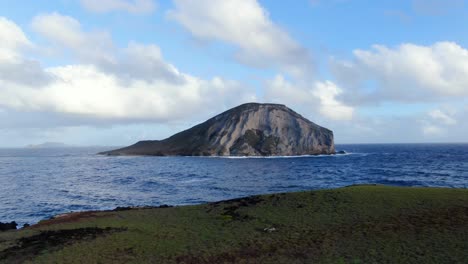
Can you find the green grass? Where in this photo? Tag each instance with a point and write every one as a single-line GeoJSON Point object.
{"type": "Point", "coordinates": [360, 224]}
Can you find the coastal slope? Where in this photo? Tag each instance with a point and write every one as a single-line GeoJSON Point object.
{"type": "Point", "coordinates": [247, 130]}
{"type": "Point", "coordinates": [359, 224]}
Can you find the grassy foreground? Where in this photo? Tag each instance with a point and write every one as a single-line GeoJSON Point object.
{"type": "Point", "coordinates": [359, 224]}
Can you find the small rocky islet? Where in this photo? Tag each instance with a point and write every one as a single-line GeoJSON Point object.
{"type": "Point", "coordinates": [251, 129]}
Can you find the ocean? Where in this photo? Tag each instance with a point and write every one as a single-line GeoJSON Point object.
{"type": "Point", "coordinates": [36, 184]}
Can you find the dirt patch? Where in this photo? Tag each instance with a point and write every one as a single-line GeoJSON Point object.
{"type": "Point", "coordinates": [231, 212]}
{"type": "Point", "coordinates": [68, 218]}
{"type": "Point", "coordinates": [29, 247]}
{"type": "Point", "coordinates": [77, 216]}
{"type": "Point", "coordinates": [246, 201]}
{"type": "Point", "coordinates": [231, 206]}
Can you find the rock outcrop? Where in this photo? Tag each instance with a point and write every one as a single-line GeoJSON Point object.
{"type": "Point", "coordinates": [247, 130]}
{"type": "Point", "coordinates": [8, 226]}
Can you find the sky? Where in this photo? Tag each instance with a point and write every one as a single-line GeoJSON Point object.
{"type": "Point", "coordinates": [113, 72]}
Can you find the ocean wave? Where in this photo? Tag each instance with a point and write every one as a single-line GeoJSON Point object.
{"type": "Point", "coordinates": [407, 183]}
{"type": "Point", "coordinates": [51, 185]}
{"type": "Point", "coordinates": [278, 157]}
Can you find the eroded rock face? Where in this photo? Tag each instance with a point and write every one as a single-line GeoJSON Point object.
{"type": "Point", "coordinates": [247, 130]}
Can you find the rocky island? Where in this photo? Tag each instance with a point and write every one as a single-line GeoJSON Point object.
{"type": "Point", "coordinates": [251, 129]}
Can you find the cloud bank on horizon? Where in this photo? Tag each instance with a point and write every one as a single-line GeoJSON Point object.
{"type": "Point", "coordinates": [89, 78]}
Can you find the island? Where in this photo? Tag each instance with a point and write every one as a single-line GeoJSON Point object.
{"type": "Point", "coordinates": [251, 129]}
{"type": "Point", "coordinates": [48, 145]}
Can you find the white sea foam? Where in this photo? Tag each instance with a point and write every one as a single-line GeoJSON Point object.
{"type": "Point", "coordinates": [281, 157]}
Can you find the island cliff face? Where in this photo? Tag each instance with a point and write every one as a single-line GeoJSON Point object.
{"type": "Point", "coordinates": [247, 130]}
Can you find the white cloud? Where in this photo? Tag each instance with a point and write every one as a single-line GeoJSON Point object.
{"type": "Point", "coordinates": [65, 32]}
{"type": "Point", "coordinates": [96, 48]}
{"type": "Point", "coordinates": [246, 25]}
{"type": "Point", "coordinates": [432, 130]}
{"type": "Point", "coordinates": [440, 116]}
{"type": "Point", "coordinates": [438, 122]}
{"type": "Point", "coordinates": [136, 84]}
{"type": "Point", "coordinates": [131, 6]}
{"type": "Point", "coordinates": [85, 90]}
{"type": "Point", "coordinates": [12, 39]}
{"type": "Point", "coordinates": [321, 97]}
{"type": "Point", "coordinates": [281, 90]}
{"type": "Point", "coordinates": [328, 92]}
{"type": "Point", "coordinates": [13, 67]}
{"type": "Point", "coordinates": [408, 72]}
{"type": "Point", "coordinates": [144, 62]}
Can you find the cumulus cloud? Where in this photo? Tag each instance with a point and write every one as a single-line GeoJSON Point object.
{"type": "Point", "coordinates": [13, 67]}
{"type": "Point", "coordinates": [144, 62]}
{"type": "Point", "coordinates": [85, 90]}
{"type": "Point", "coordinates": [131, 6]}
{"type": "Point", "coordinates": [65, 32]}
{"type": "Point", "coordinates": [98, 89]}
{"type": "Point", "coordinates": [246, 25]}
{"type": "Point", "coordinates": [330, 106]}
{"type": "Point", "coordinates": [136, 61]}
{"type": "Point", "coordinates": [262, 43]}
{"type": "Point", "coordinates": [437, 121]}
{"type": "Point", "coordinates": [322, 97]}
{"type": "Point", "coordinates": [440, 116]}
{"type": "Point", "coordinates": [432, 130]}
{"type": "Point", "coordinates": [408, 72]}
{"type": "Point", "coordinates": [12, 40]}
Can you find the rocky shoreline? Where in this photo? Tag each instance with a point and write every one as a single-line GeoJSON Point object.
{"type": "Point", "coordinates": [365, 224]}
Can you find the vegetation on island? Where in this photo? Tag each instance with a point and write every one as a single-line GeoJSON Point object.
{"type": "Point", "coordinates": [358, 224]}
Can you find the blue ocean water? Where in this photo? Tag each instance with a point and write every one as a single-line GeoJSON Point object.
{"type": "Point", "coordinates": [38, 183]}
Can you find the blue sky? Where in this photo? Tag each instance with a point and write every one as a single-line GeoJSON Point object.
{"type": "Point", "coordinates": [116, 71]}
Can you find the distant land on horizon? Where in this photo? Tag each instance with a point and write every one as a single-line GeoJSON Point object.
{"type": "Point", "coordinates": [48, 145]}
{"type": "Point", "coordinates": [52, 145]}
